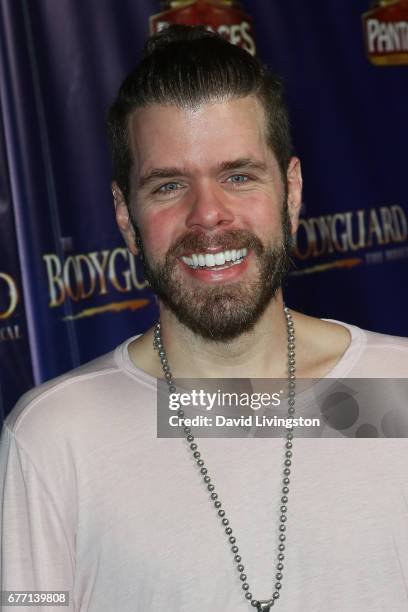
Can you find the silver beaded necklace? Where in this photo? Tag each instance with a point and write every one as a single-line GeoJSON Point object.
{"type": "Point", "coordinates": [264, 605]}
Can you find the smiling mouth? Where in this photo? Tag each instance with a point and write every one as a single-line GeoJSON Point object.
{"type": "Point", "coordinates": [215, 261]}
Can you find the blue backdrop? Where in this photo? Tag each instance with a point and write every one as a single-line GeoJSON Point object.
{"type": "Point", "coordinates": [80, 292]}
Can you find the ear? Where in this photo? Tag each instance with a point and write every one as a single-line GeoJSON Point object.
{"type": "Point", "coordinates": [123, 218]}
{"type": "Point", "coordinates": [294, 181]}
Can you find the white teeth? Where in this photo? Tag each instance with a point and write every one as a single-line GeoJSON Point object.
{"type": "Point", "coordinates": [209, 260]}
{"type": "Point", "coordinates": [219, 259]}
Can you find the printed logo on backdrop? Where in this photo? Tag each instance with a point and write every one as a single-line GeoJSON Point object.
{"type": "Point", "coordinates": [9, 301]}
{"type": "Point", "coordinates": [226, 18]}
{"type": "Point", "coordinates": [93, 282]}
{"type": "Point", "coordinates": [386, 32]}
{"type": "Point", "coordinates": [350, 239]}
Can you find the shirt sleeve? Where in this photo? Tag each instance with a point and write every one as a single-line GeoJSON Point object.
{"type": "Point", "coordinates": [37, 552]}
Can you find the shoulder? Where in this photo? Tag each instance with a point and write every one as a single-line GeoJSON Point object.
{"type": "Point", "coordinates": [79, 400]}
{"type": "Point", "coordinates": [61, 391]}
{"type": "Point", "coordinates": [376, 355]}
{"type": "Point", "coordinates": [346, 350]}
{"type": "Point", "coordinates": [385, 341]}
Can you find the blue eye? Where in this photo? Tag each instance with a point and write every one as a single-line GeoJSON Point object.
{"type": "Point", "coordinates": [168, 187]}
{"type": "Point", "coordinates": [238, 178]}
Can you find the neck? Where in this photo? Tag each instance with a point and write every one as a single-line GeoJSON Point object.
{"type": "Point", "coordinates": [260, 353]}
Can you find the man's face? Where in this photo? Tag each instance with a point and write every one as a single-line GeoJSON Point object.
{"type": "Point", "coordinates": [207, 198]}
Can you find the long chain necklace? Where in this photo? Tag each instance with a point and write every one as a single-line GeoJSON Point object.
{"type": "Point", "coordinates": [264, 605]}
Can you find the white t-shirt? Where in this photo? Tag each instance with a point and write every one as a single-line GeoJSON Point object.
{"type": "Point", "coordinates": [97, 505]}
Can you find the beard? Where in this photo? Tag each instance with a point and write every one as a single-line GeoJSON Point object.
{"type": "Point", "coordinates": [221, 312]}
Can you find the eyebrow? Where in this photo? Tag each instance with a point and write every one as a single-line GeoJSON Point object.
{"type": "Point", "coordinates": [160, 173]}
{"type": "Point", "coordinates": [242, 163]}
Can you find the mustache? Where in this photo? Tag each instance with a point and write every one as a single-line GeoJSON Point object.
{"type": "Point", "coordinates": [228, 240]}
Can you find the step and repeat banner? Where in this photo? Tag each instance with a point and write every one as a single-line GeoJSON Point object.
{"type": "Point", "coordinates": [69, 290]}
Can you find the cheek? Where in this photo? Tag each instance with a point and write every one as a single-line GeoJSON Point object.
{"type": "Point", "coordinates": [262, 216]}
{"type": "Point", "coordinates": [157, 229]}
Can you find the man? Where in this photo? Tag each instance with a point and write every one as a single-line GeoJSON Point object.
{"type": "Point", "coordinates": [94, 503]}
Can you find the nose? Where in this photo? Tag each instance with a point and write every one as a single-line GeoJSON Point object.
{"type": "Point", "coordinates": [209, 208]}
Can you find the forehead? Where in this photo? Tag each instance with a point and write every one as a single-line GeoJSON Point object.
{"type": "Point", "coordinates": [199, 137]}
